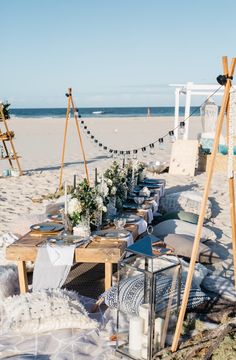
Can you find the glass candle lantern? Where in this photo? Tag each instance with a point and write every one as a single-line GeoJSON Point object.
{"type": "Point", "coordinates": [149, 283]}
{"type": "Point", "coordinates": [209, 114]}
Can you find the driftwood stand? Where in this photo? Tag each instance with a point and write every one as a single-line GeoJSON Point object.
{"type": "Point", "coordinates": [7, 137]}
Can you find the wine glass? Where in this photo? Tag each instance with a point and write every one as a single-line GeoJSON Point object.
{"type": "Point", "coordinates": [139, 200]}
{"type": "Point", "coordinates": [119, 223]}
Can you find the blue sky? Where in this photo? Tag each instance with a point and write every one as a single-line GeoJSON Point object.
{"type": "Point", "coordinates": [111, 52]}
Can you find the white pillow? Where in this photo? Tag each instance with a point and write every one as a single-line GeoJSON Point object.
{"type": "Point", "coordinates": [189, 201]}
{"type": "Point", "coordinates": [9, 284]}
{"type": "Point", "coordinates": [180, 227]}
{"type": "Point", "coordinates": [220, 286]}
{"type": "Point", "coordinates": [44, 311]}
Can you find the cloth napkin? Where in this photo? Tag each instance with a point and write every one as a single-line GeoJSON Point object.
{"type": "Point", "coordinates": [129, 239]}
{"type": "Point", "coordinates": [149, 215]}
{"type": "Point", "coordinates": [142, 226]}
{"type": "Point", "coordinates": [51, 271]}
{"type": "Point", "coordinates": [155, 205]}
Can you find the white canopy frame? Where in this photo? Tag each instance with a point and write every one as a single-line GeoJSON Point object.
{"type": "Point", "coordinates": [189, 89]}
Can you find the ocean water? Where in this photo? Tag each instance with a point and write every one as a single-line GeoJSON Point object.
{"type": "Point", "coordinates": [100, 112]}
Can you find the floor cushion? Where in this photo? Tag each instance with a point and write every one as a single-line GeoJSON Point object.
{"type": "Point", "coordinates": [183, 245]}
{"type": "Point", "coordinates": [43, 311]}
{"type": "Point", "coordinates": [221, 286]}
{"type": "Point", "coordinates": [189, 201]}
{"type": "Point", "coordinates": [131, 295]}
{"type": "Point", "coordinates": [179, 215]}
{"type": "Point", "coordinates": [174, 226]}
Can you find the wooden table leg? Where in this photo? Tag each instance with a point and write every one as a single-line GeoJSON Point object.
{"type": "Point", "coordinates": [108, 275]}
{"type": "Point", "coordinates": [22, 274]}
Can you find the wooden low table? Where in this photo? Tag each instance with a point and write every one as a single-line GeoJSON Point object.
{"type": "Point", "coordinates": [107, 251]}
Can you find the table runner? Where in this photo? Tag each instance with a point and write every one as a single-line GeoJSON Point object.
{"type": "Point", "coordinates": [52, 274]}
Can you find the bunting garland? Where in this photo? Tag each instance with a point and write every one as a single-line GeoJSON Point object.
{"type": "Point", "coordinates": [133, 153]}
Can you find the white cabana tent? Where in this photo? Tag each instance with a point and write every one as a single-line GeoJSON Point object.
{"type": "Point", "coordinates": [190, 89]}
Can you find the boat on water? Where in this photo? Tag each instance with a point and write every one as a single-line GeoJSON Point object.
{"type": "Point", "coordinates": [98, 112]}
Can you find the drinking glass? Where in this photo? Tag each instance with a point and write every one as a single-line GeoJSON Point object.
{"type": "Point", "coordinates": [139, 200]}
{"type": "Point", "coordinates": [119, 223]}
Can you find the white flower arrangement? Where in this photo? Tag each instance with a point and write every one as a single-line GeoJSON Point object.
{"type": "Point", "coordinates": [109, 182]}
{"type": "Point", "coordinates": [103, 189]}
{"type": "Point", "coordinates": [113, 190]}
{"type": "Point", "coordinates": [74, 206]}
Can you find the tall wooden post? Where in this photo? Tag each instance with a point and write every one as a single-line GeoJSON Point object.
{"type": "Point", "coordinates": [80, 138]}
{"type": "Point", "coordinates": [70, 104]}
{"type": "Point", "coordinates": [65, 136]}
{"type": "Point", "coordinates": [203, 206]}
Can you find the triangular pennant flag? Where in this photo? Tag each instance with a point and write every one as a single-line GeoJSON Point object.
{"type": "Point", "coordinates": [143, 246]}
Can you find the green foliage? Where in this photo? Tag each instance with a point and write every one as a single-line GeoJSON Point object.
{"type": "Point", "coordinates": [87, 197]}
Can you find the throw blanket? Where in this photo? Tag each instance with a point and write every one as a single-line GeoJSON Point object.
{"type": "Point", "coordinates": [52, 266]}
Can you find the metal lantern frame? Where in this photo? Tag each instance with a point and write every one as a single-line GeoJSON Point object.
{"type": "Point", "coordinates": [150, 276]}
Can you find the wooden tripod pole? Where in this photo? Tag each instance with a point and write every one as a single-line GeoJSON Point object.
{"type": "Point", "coordinates": [80, 138]}
{"type": "Point", "coordinates": [65, 135]}
{"type": "Point", "coordinates": [231, 175]}
{"type": "Point", "coordinates": [203, 209]}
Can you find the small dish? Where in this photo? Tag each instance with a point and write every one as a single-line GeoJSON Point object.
{"type": "Point", "coordinates": [131, 218]}
{"type": "Point", "coordinates": [117, 234]}
{"type": "Point", "coordinates": [112, 234]}
{"type": "Point", "coordinates": [130, 206]}
{"type": "Point", "coordinates": [47, 227]}
{"type": "Point", "coordinates": [55, 217]}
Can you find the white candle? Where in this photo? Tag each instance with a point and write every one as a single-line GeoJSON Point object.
{"type": "Point", "coordinates": [144, 352]}
{"type": "Point", "coordinates": [135, 333]}
{"type": "Point", "coordinates": [143, 313]}
{"type": "Point", "coordinates": [132, 172]}
{"type": "Point", "coordinates": [66, 205]}
{"type": "Point", "coordinates": [145, 340]}
{"type": "Point", "coordinates": [158, 331]}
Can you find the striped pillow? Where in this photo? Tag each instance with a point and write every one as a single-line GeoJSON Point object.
{"type": "Point", "coordinates": [131, 295]}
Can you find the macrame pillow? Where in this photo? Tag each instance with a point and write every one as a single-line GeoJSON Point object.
{"type": "Point", "coordinates": [181, 228]}
{"type": "Point", "coordinates": [131, 295]}
{"type": "Point", "coordinates": [39, 312]}
{"type": "Point", "coordinates": [189, 201]}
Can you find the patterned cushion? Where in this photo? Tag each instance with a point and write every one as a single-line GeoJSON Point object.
{"type": "Point", "coordinates": [131, 294]}
{"type": "Point", "coordinates": [189, 201]}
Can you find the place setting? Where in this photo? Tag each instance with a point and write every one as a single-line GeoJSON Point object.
{"type": "Point", "coordinates": [46, 228]}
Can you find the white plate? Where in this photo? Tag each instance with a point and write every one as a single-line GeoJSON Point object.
{"type": "Point", "coordinates": [131, 218]}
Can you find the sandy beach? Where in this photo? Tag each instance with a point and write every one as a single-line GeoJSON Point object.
{"type": "Point", "coordinates": [39, 142]}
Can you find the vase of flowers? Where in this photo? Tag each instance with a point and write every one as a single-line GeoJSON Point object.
{"type": "Point", "coordinates": [85, 203]}
{"type": "Point", "coordinates": [115, 178]}
{"type": "Point", "coordinates": [111, 207]}
{"type": "Point", "coordinates": [82, 228]}
{"type": "Point", "coordinates": [141, 172]}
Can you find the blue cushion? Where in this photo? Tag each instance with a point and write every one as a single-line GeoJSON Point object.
{"type": "Point", "coordinates": [131, 295]}
{"type": "Point", "coordinates": [223, 149]}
